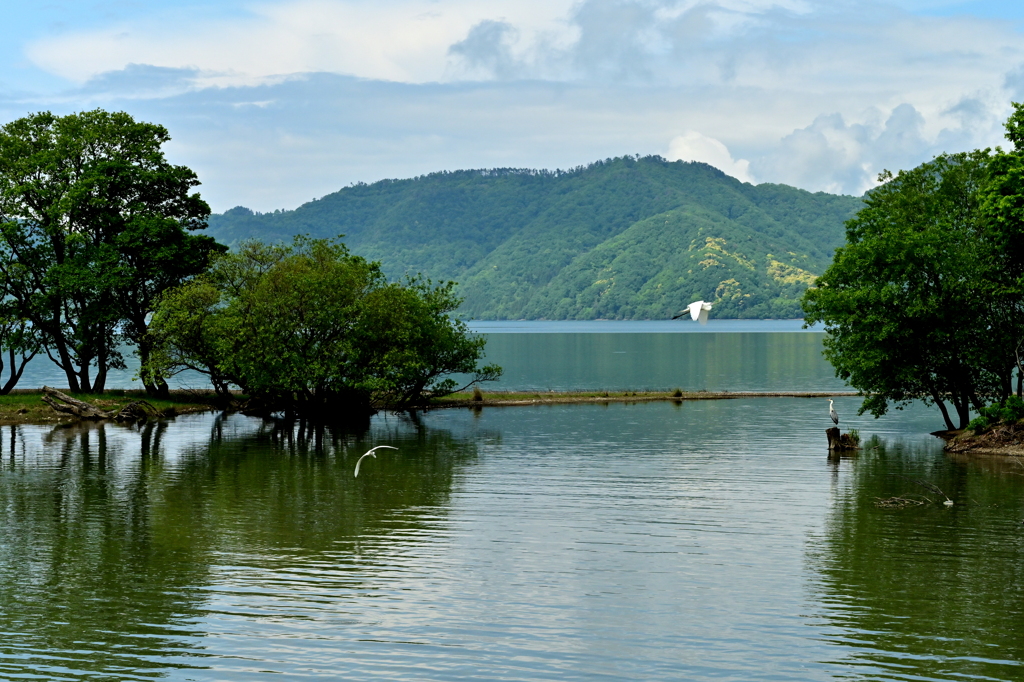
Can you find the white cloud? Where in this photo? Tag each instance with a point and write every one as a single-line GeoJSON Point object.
{"type": "Point", "coordinates": [693, 146]}
{"type": "Point", "coordinates": [832, 155]}
{"type": "Point", "coordinates": [395, 40]}
{"type": "Point", "coordinates": [770, 45]}
{"type": "Point", "coordinates": [295, 98]}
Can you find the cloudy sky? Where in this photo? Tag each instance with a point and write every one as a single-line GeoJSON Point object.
{"type": "Point", "coordinates": [276, 102]}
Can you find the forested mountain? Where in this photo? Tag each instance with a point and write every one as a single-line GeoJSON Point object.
{"type": "Point", "coordinates": [626, 238]}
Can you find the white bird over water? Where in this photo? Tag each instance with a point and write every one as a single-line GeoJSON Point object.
{"type": "Point", "coordinates": [369, 453]}
{"type": "Point", "coordinates": [698, 311]}
{"type": "Point", "coordinates": [832, 412]}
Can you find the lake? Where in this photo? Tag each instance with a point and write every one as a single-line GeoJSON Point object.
{"type": "Point", "coordinates": [726, 355]}
{"type": "Point", "coordinates": [710, 540]}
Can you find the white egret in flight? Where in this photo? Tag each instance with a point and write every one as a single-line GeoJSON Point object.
{"type": "Point", "coordinates": [698, 311]}
{"type": "Point", "coordinates": [832, 412]}
{"type": "Point", "coordinates": [369, 453]}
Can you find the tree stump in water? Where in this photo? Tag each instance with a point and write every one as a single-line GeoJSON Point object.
{"type": "Point", "coordinates": [839, 442]}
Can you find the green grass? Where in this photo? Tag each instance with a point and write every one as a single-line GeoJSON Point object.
{"type": "Point", "coordinates": [27, 406]}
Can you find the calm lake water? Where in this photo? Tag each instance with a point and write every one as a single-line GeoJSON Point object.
{"type": "Point", "coordinates": [708, 540]}
{"type": "Point", "coordinates": [727, 355]}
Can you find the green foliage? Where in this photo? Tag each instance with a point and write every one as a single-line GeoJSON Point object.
{"type": "Point", "coordinates": [93, 225]}
{"type": "Point", "coordinates": [619, 239]}
{"type": "Point", "coordinates": [1002, 203]}
{"type": "Point", "coordinates": [910, 303]}
{"type": "Point", "coordinates": [1010, 411]}
{"type": "Point", "coordinates": [313, 329]}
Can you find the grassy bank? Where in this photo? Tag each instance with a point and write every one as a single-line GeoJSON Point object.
{"type": "Point", "coordinates": [25, 406]}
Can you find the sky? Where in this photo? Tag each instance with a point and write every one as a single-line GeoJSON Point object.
{"type": "Point", "coordinates": [277, 102]}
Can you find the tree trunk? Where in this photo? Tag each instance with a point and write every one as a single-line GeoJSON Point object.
{"type": "Point", "coordinates": [945, 412]}
{"type": "Point", "coordinates": [102, 364]}
{"type": "Point", "coordinates": [83, 379]}
{"type": "Point", "coordinates": [65, 363]}
{"type": "Point", "coordinates": [16, 371]}
{"type": "Point", "coordinates": [963, 412]}
{"type": "Point", "coordinates": [155, 384]}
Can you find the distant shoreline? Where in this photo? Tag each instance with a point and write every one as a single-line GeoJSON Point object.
{"type": "Point", "coordinates": [518, 398]}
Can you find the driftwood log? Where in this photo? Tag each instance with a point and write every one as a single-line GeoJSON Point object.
{"type": "Point", "coordinates": [65, 404]}
{"type": "Point", "coordinates": [135, 411]}
{"type": "Point", "coordinates": [839, 442]}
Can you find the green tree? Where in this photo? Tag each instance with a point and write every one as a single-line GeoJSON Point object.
{"type": "Point", "coordinates": [909, 302]}
{"type": "Point", "coordinates": [1002, 203]}
{"type": "Point", "coordinates": [312, 329]}
{"type": "Point", "coordinates": [93, 225]}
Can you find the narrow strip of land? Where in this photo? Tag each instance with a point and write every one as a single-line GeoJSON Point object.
{"type": "Point", "coordinates": [496, 399]}
{"type": "Point", "coordinates": [25, 406]}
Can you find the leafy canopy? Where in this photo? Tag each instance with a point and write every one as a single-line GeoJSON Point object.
{"type": "Point", "coordinates": [313, 329]}
{"type": "Point", "coordinates": [916, 303]}
{"type": "Point", "coordinates": [94, 223]}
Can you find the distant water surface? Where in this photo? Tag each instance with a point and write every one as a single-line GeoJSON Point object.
{"type": "Point", "coordinates": [724, 355]}
{"type": "Point", "coordinates": [575, 355]}
{"type": "Point", "coordinates": [680, 326]}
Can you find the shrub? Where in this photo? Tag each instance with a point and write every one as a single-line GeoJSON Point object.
{"type": "Point", "coordinates": [1010, 412]}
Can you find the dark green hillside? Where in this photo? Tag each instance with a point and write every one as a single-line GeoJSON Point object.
{"type": "Point", "coordinates": [439, 225]}
{"type": "Point", "coordinates": [624, 238]}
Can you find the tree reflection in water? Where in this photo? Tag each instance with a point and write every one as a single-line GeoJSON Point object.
{"type": "Point", "coordinates": [925, 591]}
{"type": "Point", "coordinates": [113, 535]}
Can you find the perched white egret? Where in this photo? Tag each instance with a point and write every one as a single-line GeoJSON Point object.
{"type": "Point", "coordinates": [698, 311]}
{"type": "Point", "coordinates": [369, 453]}
{"type": "Point", "coordinates": [832, 412]}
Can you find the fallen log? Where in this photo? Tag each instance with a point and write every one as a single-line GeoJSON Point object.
{"type": "Point", "coordinates": [65, 404]}
{"type": "Point", "coordinates": [137, 411]}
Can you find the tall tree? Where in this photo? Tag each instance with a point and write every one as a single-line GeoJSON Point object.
{"type": "Point", "coordinates": [312, 329]}
{"type": "Point", "coordinates": [93, 225]}
{"type": "Point", "coordinates": [908, 302]}
{"type": "Point", "coordinates": [1002, 203]}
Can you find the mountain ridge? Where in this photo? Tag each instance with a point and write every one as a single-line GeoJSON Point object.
{"type": "Point", "coordinates": [624, 238]}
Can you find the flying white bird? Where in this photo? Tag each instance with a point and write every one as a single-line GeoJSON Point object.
{"type": "Point", "coordinates": [698, 311]}
{"type": "Point", "coordinates": [832, 412]}
{"type": "Point", "coordinates": [369, 453]}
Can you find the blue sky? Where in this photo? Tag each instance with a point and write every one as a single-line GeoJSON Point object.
{"type": "Point", "coordinates": [276, 102]}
